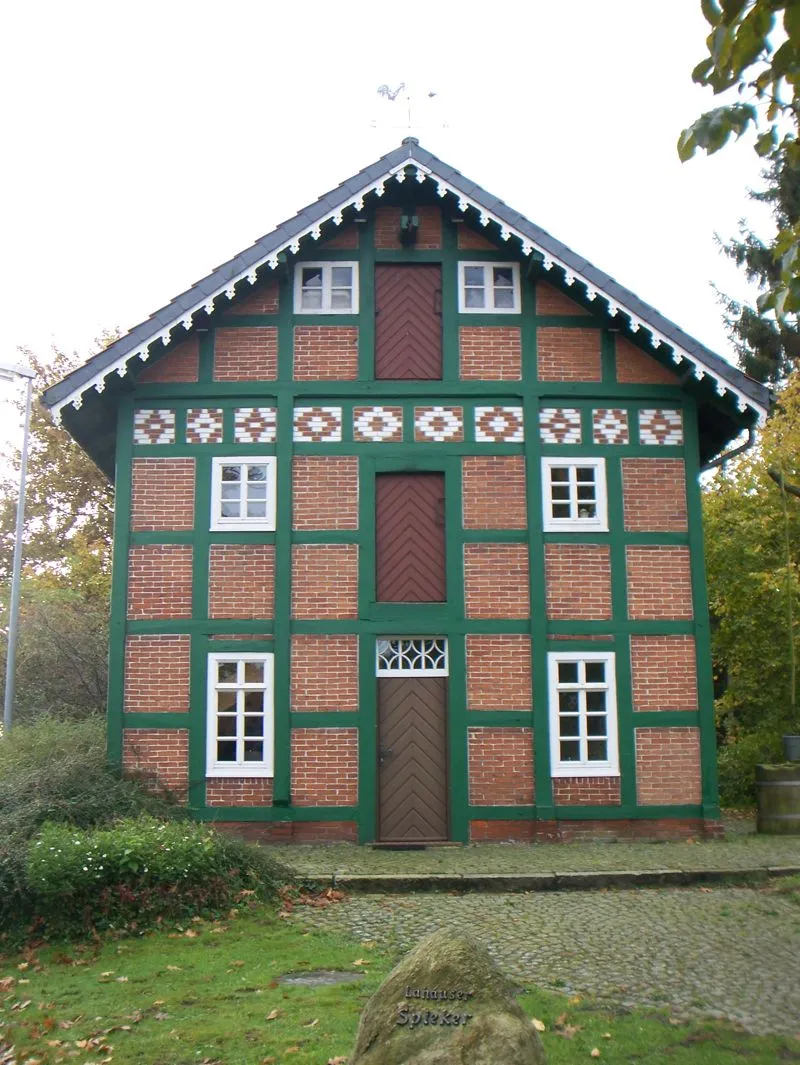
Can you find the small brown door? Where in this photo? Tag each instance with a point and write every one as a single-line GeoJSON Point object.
{"type": "Point", "coordinates": [409, 538]}
{"type": "Point", "coordinates": [408, 322]}
{"type": "Point", "coordinates": [412, 759]}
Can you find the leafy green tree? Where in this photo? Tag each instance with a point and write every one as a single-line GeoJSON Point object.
{"type": "Point", "coordinates": [754, 51]}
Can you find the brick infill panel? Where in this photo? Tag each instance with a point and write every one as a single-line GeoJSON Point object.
{"type": "Point", "coordinates": [179, 366]}
{"type": "Point", "coordinates": [264, 300]}
{"type": "Point", "coordinates": [635, 367]}
{"type": "Point", "coordinates": [568, 354]}
{"type": "Point", "coordinates": [586, 791]}
{"type": "Point", "coordinates": [241, 581]}
{"type": "Point", "coordinates": [668, 766]}
{"type": "Point", "coordinates": [159, 582]}
{"type": "Point", "coordinates": [344, 238]}
{"type": "Point", "coordinates": [162, 495]}
{"type": "Point", "coordinates": [578, 582]}
{"type": "Point", "coordinates": [429, 233]}
{"type": "Point", "coordinates": [156, 674]}
{"type": "Point", "coordinates": [246, 353]}
{"type": "Point", "coordinates": [324, 492]}
{"type": "Point", "coordinates": [324, 581]}
{"type": "Point", "coordinates": [500, 766]}
{"type": "Point", "coordinates": [324, 673]}
{"type": "Point", "coordinates": [664, 673]}
{"type": "Point", "coordinates": [496, 580]}
{"type": "Point", "coordinates": [549, 300]}
{"type": "Point", "coordinates": [324, 766]}
{"type": "Point", "coordinates": [659, 583]}
{"type": "Point", "coordinates": [160, 756]}
{"type": "Point", "coordinates": [472, 240]}
{"type": "Point", "coordinates": [239, 791]}
{"type": "Point", "coordinates": [493, 492]}
{"type": "Point", "coordinates": [325, 353]}
{"type": "Point", "coordinates": [654, 492]}
{"type": "Point", "coordinates": [499, 672]}
{"type": "Point", "coordinates": [490, 353]}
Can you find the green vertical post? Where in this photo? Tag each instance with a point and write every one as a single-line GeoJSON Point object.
{"type": "Point", "coordinates": [119, 579]}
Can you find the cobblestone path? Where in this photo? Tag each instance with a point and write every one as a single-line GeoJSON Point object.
{"type": "Point", "coordinates": [724, 952]}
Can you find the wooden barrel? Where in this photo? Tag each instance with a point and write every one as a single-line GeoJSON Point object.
{"type": "Point", "coordinates": [778, 794]}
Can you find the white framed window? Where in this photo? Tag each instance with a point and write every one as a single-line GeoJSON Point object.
{"type": "Point", "coordinates": [240, 715]}
{"type": "Point", "coordinates": [411, 656]}
{"type": "Point", "coordinates": [583, 714]}
{"type": "Point", "coordinates": [574, 495]}
{"type": "Point", "coordinates": [243, 493]}
{"type": "Point", "coordinates": [488, 288]}
{"type": "Point", "coordinates": [326, 288]}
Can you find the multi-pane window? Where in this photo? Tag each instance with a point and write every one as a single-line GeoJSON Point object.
{"type": "Point", "coordinates": [488, 288]}
{"type": "Point", "coordinates": [243, 493]}
{"type": "Point", "coordinates": [240, 718]}
{"type": "Point", "coordinates": [583, 714]}
{"type": "Point", "coordinates": [574, 495]}
{"type": "Point", "coordinates": [411, 656]}
{"type": "Point", "coordinates": [326, 288]}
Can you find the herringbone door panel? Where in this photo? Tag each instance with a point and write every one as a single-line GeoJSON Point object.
{"type": "Point", "coordinates": [409, 537]}
{"type": "Point", "coordinates": [408, 322]}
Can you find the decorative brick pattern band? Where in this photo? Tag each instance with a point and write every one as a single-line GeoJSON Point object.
{"type": "Point", "coordinates": [317, 425]}
{"type": "Point", "coordinates": [324, 766]}
{"type": "Point", "coordinates": [325, 353]}
{"type": "Point", "coordinates": [499, 672]}
{"type": "Point", "coordinates": [324, 581]}
{"type": "Point", "coordinates": [610, 426]}
{"type": "Point", "coordinates": [325, 492]}
{"type": "Point", "coordinates": [664, 673]}
{"type": "Point", "coordinates": [160, 755]}
{"type": "Point", "coordinates": [160, 582]}
{"type": "Point", "coordinates": [162, 495]}
{"type": "Point", "coordinates": [493, 492]}
{"type": "Point", "coordinates": [560, 425]}
{"type": "Point", "coordinates": [378, 425]}
{"type": "Point", "coordinates": [654, 491]}
{"type": "Point", "coordinates": [178, 366]}
{"type": "Point", "coordinates": [668, 766]}
{"type": "Point", "coordinates": [499, 425]}
{"type": "Point", "coordinates": [659, 583]}
{"type": "Point", "coordinates": [586, 791]}
{"type": "Point", "coordinates": [490, 353]}
{"type": "Point", "coordinates": [500, 766]}
{"type": "Point", "coordinates": [241, 581]}
{"type": "Point", "coordinates": [568, 354]}
{"type": "Point", "coordinates": [578, 582]}
{"type": "Point", "coordinates": [204, 425]}
{"type": "Point", "coordinates": [660, 426]}
{"type": "Point", "coordinates": [157, 674]}
{"type": "Point", "coordinates": [255, 425]}
{"type": "Point", "coordinates": [324, 673]}
{"type": "Point", "coordinates": [438, 424]}
{"type": "Point", "coordinates": [246, 353]}
{"type": "Point", "coordinates": [154, 426]}
{"type": "Point", "coordinates": [496, 580]}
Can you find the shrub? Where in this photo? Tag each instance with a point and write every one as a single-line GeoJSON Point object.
{"type": "Point", "coordinates": [737, 760]}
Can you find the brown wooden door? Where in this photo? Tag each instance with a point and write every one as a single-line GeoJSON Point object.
{"type": "Point", "coordinates": [412, 759]}
{"type": "Point", "coordinates": [408, 322]}
{"type": "Point", "coordinates": [409, 538]}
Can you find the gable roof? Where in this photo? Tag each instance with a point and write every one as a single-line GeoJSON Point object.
{"type": "Point", "coordinates": [748, 400]}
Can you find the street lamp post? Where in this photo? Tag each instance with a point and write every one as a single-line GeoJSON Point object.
{"type": "Point", "coordinates": [9, 372]}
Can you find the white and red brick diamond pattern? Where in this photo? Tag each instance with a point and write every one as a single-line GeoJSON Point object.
{"type": "Point", "coordinates": [610, 426]}
{"type": "Point", "coordinates": [255, 425]}
{"type": "Point", "coordinates": [660, 427]}
{"type": "Point", "coordinates": [560, 425]}
{"type": "Point", "coordinates": [378, 425]}
{"type": "Point", "coordinates": [154, 427]}
{"type": "Point", "coordinates": [438, 424]}
{"type": "Point", "coordinates": [204, 425]}
{"type": "Point", "coordinates": [499, 425]}
{"type": "Point", "coordinates": [317, 425]}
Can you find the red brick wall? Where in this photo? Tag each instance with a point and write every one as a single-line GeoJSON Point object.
{"type": "Point", "coordinates": [241, 580]}
{"type": "Point", "coordinates": [568, 354]}
{"type": "Point", "coordinates": [659, 583]}
{"type": "Point", "coordinates": [636, 367]}
{"type": "Point", "coordinates": [496, 583]}
{"type": "Point", "coordinates": [586, 791]}
{"type": "Point", "coordinates": [667, 766]}
{"type": "Point", "coordinates": [325, 492]}
{"type": "Point", "coordinates": [324, 581]}
{"type": "Point", "coordinates": [324, 766]}
{"type": "Point", "coordinates": [472, 239]}
{"type": "Point", "coordinates": [162, 496]}
{"type": "Point", "coordinates": [239, 791]}
{"type": "Point", "coordinates": [324, 672]}
{"type": "Point", "coordinates": [499, 672]}
{"type": "Point", "coordinates": [549, 300]}
{"type": "Point", "coordinates": [429, 234]}
{"type": "Point", "coordinates": [501, 831]}
{"type": "Point", "coordinates": [500, 766]}
{"type": "Point", "coordinates": [490, 353]}
{"type": "Point", "coordinates": [664, 673]}
{"type": "Point", "coordinates": [578, 580]}
{"type": "Point", "coordinates": [180, 365]}
{"type": "Point", "coordinates": [264, 300]}
{"type": "Point", "coordinates": [493, 492]}
{"type": "Point", "coordinates": [160, 581]}
{"type": "Point", "coordinates": [325, 353]}
{"type": "Point", "coordinates": [654, 492]}
{"type": "Point", "coordinates": [156, 674]}
{"type": "Point", "coordinates": [160, 754]}
{"type": "Point", "coordinates": [345, 238]}
{"type": "Point", "coordinates": [246, 353]}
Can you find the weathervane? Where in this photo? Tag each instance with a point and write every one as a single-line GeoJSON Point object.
{"type": "Point", "coordinates": [392, 94]}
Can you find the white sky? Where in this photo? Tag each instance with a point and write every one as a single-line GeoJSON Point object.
{"type": "Point", "coordinates": [146, 143]}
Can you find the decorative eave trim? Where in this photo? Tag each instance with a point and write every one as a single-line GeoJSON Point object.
{"type": "Point", "coordinates": [695, 367]}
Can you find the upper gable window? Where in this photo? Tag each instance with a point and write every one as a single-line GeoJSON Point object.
{"type": "Point", "coordinates": [326, 288]}
{"type": "Point", "coordinates": [574, 495]}
{"type": "Point", "coordinates": [488, 288]}
{"type": "Point", "coordinates": [243, 494]}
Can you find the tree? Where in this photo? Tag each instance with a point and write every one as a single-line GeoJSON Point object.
{"type": "Point", "coordinates": [767, 349]}
{"type": "Point", "coordinates": [756, 56]}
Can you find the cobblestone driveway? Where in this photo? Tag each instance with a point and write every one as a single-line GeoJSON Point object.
{"type": "Point", "coordinates": [726, 952]}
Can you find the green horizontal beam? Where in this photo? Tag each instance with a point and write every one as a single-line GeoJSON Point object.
{"type": "Point", "coordinates": [275, 813]}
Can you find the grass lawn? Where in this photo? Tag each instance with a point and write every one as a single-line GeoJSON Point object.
{"type": "Point", "coordinates": [209, 993]}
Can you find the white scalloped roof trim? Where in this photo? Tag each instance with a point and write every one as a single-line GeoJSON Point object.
{"type": "Point", "coordinates": [658, 340]}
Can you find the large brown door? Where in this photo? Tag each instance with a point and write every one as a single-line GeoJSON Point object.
{"type": "Point", "coordinates": [409, 538]}
{"type": "Point", "coordinates": [408, 322]}
{"type": "Point", "coordinates": [412, 756]}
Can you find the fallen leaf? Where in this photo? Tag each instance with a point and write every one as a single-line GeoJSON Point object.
{"type": "Point", "coordinates": [337, 1061]}
{"type": "Point", "coordinates": [568, 1030]}
{"type": "Point", "coordinates": [706, 890]}
{"type": "Point", "coordinates": [7, 983]}
{"type": "Point", "coordinates": [292, 1050]}
{"type": "Point", "coordinates": [110, 972]}
{"type": "Point", "coordinates": [360, 961]}
{"type": "Point", "coordinates": [190, 933]}
{"type": "Point", "coordinates": [595, 1053]}
{"type": "Point", "coordinates": [122, 979]}
{"type": "Point", "coordinates": [606, 1035]}
{"type": "Point", "coordinates": [66, 1025]}
{"type": "Point", "coordinates": [237, 964]}
{"type": "Point", "coordinates": [23, 981]}
{"type": "Point", "coordinates": [312, 1024]}
{"type": "Point", "coordinates": [273, 1014]}
{"type": "Point", "coordinates": [23, 965]}
{"type": "Point", "coordinates": [540, 1026]}
{"type": "Point", "coordinates": [268, 1061]}
{"type": "Point", "coordinates": [173, 968]}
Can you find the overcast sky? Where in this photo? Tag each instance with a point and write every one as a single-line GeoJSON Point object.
{"type": "Point", "coordinates": [146, 143]}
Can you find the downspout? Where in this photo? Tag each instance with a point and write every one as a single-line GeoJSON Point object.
{"type": "Point", "coordinates": [751, 439]}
